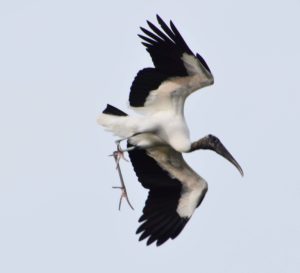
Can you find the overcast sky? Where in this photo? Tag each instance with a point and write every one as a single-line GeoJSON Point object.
{"type": "Point", "coordinates": [62, 61]}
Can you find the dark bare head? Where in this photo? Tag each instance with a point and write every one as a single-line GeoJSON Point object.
{"type": "Point", "coordinates": [211, 142]}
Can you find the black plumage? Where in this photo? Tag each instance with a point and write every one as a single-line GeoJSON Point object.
{"type": "Point", "coordinates": [160, 221]}
{"type": "Point", "coordinates": [146, 80]}
{"type": "Point", "coordinates": [111, 110]}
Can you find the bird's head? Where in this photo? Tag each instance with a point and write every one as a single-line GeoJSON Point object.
{"type": "Point", "coordinates": [211, 142]}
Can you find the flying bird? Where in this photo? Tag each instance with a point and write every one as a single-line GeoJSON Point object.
{"type": "Point", "coordinates": [158, 135]}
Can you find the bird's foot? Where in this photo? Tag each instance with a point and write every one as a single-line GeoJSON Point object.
{"type": "Point", "coordinates": [123, 195]}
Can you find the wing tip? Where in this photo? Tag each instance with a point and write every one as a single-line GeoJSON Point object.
{"type": "Point", "coordinates": [160, 232]}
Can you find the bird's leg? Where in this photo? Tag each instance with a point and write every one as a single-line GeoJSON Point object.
{"type": "Point", "coordinates": [118, 154]}
{"type": "Point", "coordinates": [122, 187]}
{"type": "Point", "coordinates": [120, 151]}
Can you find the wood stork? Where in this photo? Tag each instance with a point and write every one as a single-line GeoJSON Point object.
{"type": "Point", "coordinates": [159, 135]}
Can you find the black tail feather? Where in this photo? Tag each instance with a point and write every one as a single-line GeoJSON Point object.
{"type": "Point", "coordinates": [111, 110]}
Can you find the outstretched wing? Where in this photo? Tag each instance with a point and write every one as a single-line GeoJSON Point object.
{"type": "Point", "coordinates": [170, 203]}
{"type": "Point", "coordinates": [174, 65]}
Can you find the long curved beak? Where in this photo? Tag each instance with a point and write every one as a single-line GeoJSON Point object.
{"type": "Point", "coordinates": [221, 150]}
{"type": "Point", "coordinates": [211, 142]}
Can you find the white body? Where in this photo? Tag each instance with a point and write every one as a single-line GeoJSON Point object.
{"type": "Point", "coordinates": [162, 115]}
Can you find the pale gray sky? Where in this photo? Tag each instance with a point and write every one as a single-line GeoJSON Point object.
{"type": "Point", "coordinates": [59, 61]}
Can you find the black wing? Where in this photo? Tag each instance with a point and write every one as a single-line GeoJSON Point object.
{"type": "Point", "coordinates": [160, 221]}
{"type": "Point", "coordinates": [166, 48]}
